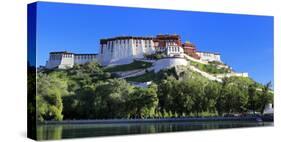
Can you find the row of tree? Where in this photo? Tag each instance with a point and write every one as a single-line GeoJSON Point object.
{"type": "Point", "coordinates": [88, 92]}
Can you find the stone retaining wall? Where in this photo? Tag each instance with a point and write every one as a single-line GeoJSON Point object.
{"type": "Point", "coordinates": [166, 63]}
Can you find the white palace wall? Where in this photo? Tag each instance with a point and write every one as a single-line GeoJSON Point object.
{"type": "Point", "coordinates": [60, 60]}
{"type": "Point", "coordinates": [123, 51]}
{"type": "Point", "coordinates": [54, 61]}
{"type": "Point", "coordinates": [209, 57]}
{"type": "Point", "coordinates": [67, 61]}
{"type": "Point", "coordinates": [63, 60]}
{"type": "Point", "coordinates": [84, 58]}
{"type": "Point", "coordinates": [167, 63]}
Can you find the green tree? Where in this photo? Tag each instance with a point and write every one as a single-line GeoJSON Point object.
{"type": "Point", "coordinates": [265, 97]}
{"type": "Point", "coordinates": [252, 92]}
{"type": "Point", "coordinates": [211, 92]}
{"type": "Point", "coordinates": [183, 97]}
{"type": "Point", "coordinates": [48, 99]}
{"type": "Point", "coordinates": [236, 99]}
{"type": "Point", "coordinates": [166, 94]}
{"type": "Point", "coordinates": [144, 101]}
{"type": "Point", "coordinates": [111, 98]}
{"type": "Point", "coordinates": [197, 90]}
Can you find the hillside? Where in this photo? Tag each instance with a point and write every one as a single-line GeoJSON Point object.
{"type": "Point", "coordinates": [142, 71]}
{"type": "Point", "coordinates": [90, 91]}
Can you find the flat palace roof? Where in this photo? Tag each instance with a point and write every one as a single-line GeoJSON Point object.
{"type": "Point", "coordinates": [65, 52]}
{"type": "Point", "coordinates": [208, 52]}
{"type": "Point", "coordinates": [103, 41]}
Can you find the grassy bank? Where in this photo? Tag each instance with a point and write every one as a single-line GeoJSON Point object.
{"type": "Point", "coordinates": [142, 78]}
{"type": "Point", "coordinates": [210, 68]}
{"type": "Point", "coordinates": [131, 66]}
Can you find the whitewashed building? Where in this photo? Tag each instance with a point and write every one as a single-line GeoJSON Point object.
{"type": "Point", "coordinates": [123, 50]}
{"type": "Point", "coordinates": [63, 60]}
{"type": "Point", "coordinates": [209, 56]}
{"type": "Point", "coordinates": [174, 51]}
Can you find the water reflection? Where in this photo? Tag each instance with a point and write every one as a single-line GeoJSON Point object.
{"type": "Point", "coordinates": [48, 132]}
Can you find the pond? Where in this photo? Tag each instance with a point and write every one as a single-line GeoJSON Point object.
{"type": "Point", "coordinates": [62, 131]}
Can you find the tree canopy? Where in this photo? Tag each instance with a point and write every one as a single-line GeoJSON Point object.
{"type": "Point", "coordinates": [90, 92]}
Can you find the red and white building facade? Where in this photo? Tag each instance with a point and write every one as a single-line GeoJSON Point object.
{"type": "Point", "coordinates": [124, 49]}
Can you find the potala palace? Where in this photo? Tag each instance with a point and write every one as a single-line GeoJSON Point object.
{"type": "Point", "coordinates": [125, 49]}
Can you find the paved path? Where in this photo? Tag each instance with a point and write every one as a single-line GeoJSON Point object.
{"type": "Point", "coordinates": [195, 60]}
{"type": "Point", "coordinates": [137, 72]}
{"type": "Point", "coordinates": [205, 74]}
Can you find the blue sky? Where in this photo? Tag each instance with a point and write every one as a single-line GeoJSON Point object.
{"type": "Point", "coordinates": [244, 41]}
